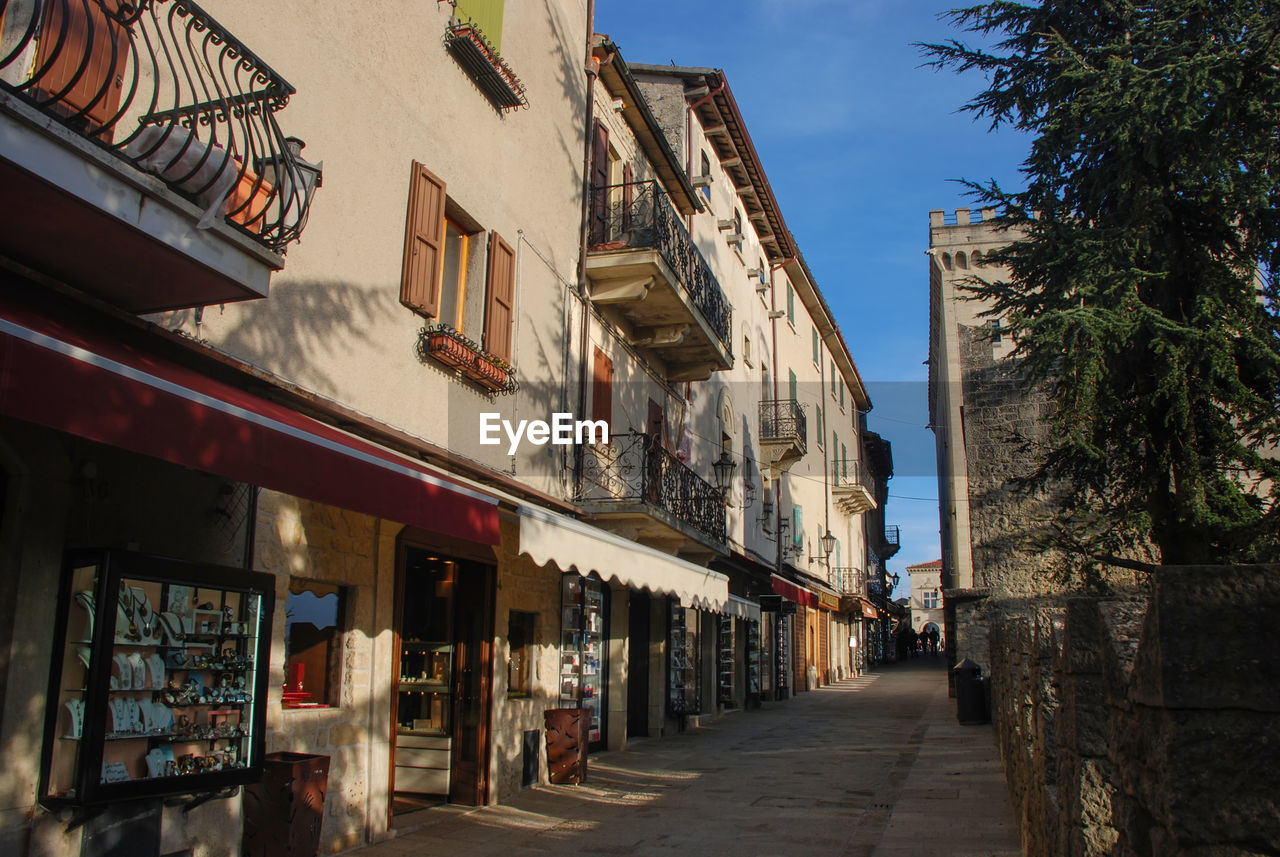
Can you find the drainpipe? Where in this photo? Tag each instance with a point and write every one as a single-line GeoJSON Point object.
{"type": "Point", "coordinates": [592, 66]}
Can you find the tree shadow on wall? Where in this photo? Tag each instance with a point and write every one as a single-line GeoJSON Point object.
{"type": "Point", "coordinates": [306, 324]}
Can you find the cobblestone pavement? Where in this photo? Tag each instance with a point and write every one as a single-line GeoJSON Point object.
{"type": "Point", "coordinates": [870, 767]}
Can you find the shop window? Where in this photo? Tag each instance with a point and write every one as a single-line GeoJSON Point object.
{"type": "Point", "coordinates": [520, 638]}
{"type": "Point", "coordinates": [314, 623]}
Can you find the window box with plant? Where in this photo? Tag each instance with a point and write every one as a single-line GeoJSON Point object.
{"type": "Point", "coordinates": [445, 345]}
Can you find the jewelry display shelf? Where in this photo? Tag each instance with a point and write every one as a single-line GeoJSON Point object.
{"type": "Point", "coordinates": [173, 651]}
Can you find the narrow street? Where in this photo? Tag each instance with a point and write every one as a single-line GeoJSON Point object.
{"type": "Point", "coordinates": [870, 767]}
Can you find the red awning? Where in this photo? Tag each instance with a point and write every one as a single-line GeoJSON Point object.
{"type": "Point", "coordinates": [67, 377]}
{"type": "Point", "coordinates": [791, 592]}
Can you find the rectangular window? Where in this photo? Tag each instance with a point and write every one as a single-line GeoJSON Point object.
{"type": "Point", "coordinates": [453, 275]}
{"type": "Point", "coordinates": [931, 600]}
{"type": "Point", "coordinates": [844, 460]}
{"type": "Point", "coordinates": [313, 626]}
{"type": "Point", "coordinates": [797, 525]}
{"type": "Point", "coordinates": [996, 335]}
{"type": "Point", "coordinates": [520, 639]}
{"type": "Point", "coordinates": [834, 378]}
{"type": "Point", "coordinates": [791, 304]}
{"type": "Point", "coordinates": [706, 171]}
{"type": "Point", "coordinates": [746, 349]}
{"type": "Point", "coordinates": [817, 348]}
{"type": "Point", "coordinates": [821, 427]}
{"type": "Point", "coordinates": [842, 394]}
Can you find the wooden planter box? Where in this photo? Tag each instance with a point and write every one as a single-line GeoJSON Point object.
{"type": "Point", "coordinates": [247, 204]}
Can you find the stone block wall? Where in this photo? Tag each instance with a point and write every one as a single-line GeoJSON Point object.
{"type": "Point", "coordinates": [1144, 724]}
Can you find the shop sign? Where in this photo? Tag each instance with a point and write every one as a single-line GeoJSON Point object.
{"type": "Point", "coordinates": [770, 603]}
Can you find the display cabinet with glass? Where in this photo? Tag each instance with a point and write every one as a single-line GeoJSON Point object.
{"type": "Point", "coordinates": [155, 685]}
{"type": "Point", "coordinates": [582, 671]}
{"type": "Point", "coordinates": [683, 695]}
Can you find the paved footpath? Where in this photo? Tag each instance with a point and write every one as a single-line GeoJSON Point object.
{"type": "Point", "coordinates": [870, 767]}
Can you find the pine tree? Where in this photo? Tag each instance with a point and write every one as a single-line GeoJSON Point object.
{"type": "Point", "coordinates": [1146, 292]}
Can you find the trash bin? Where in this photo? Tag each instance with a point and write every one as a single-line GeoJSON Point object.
{"type": "Point", "coordinates": [284, 812]}
{"type": "Point", "coordinates": [971, 693]}
{"type": "Point", "coordinates": [567, 744]}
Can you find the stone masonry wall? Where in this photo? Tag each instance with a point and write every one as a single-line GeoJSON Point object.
{"type": "Point", "coordinates": [1003, 418]}
{"type": "Point", "coordinates": [300, 539]}
{"type": "Point", "coordinates": [1145, 724]}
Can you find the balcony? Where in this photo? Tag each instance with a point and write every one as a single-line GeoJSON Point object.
{"type": "Point", "coordinates": [854, 490]}
{"type": "Point", "coordinates": [847, 580]}
{"type": "Point", "coordinates": [646, 272]}
{"type": "Point", "coordinates": [782, 435]}
{"type": "Point", "coordinates": [637, 488]}
{"type": "Point", "coordinates": [892, 541]}
{"type": "Point", "coordinates": [143, 136]}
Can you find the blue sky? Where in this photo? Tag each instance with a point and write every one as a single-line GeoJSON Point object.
{"type": "Point", "coordinates": [859, 143]}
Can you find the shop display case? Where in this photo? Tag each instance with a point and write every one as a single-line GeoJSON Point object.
{"type": "Point", "coordinates": [724, 661]}
{"type": "Point", "coordinates": [753, 660]}
{"type": "Point", "coordinates": [581, 649]}
{"type": "Point", "coordinates": [157, 680]}
{"type": "Point", "coordinates": [683, 695]}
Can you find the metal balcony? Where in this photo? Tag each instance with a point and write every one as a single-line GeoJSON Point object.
{"type": "Point", "coordinates": [142, 135]}
{"type": "Point", "coordinates": [847, 580]}
{"type": "Point", "coordinates": [783, 433]}
{"type": "Point", "coordinates": [854, 490]}
{"type": "Point", "coordinates": [644, 266]}
{"type": "Point", "coordinates": [892, 543]}
{"type": "Point", "coordinates": [636, 487]}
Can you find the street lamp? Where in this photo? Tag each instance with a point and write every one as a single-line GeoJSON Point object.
{"type": "Point", "coordinates": [893, 579]}
{"type": "Point", "coordinates": [724, 468]}
{"type": "Point", "coordinates": [828, 544]}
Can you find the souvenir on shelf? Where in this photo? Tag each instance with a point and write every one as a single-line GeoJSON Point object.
{"type": "Point", "coordinates": [155, 686]}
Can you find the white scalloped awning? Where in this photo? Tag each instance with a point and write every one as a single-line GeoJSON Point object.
{"type": "Point", "coordinates": [575, 546]}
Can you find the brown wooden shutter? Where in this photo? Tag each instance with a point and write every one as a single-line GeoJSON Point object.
{"type": "Point", "coordinates": [600, 185]}
{"type": "Point", "coordinates": [88, 32]}
{"type": "Point", "coordinates": [602, 387]}
{"type": "Point", "coordinates": [423, 243]}
{"type": "Point", "coordinates": [500, 294]}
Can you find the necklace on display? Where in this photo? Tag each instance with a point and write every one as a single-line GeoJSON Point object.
{"type": "Point", "coordinates": [146, 616]}
{"type": "Point", "coordinates": [126, 604]}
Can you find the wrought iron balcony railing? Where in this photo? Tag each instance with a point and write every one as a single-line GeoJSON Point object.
{"type": "Point", "coordinates": [892, 536]}
{"type": "Point", "coordinates": [639, 215]}
{"type": "Point", "coordinates": [783, 419]}
{"type": "Point", "coordinates": [847, 580]}
{"type": "Point", "coordinates": [633, 467]}
{"type": "Point", "coordinates": [162, 85]}
{"type": "Point", "coordinates": [853, 475]}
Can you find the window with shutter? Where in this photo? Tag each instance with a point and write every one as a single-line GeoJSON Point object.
{"type": "Point", "coordinates": [602, 388]}
{"type": "Point", "coordinates": [791, 304]}
{"type": "Point", "coordinates": [499, 313]}
{"type": "Point", "coordinates": [424, 241]}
